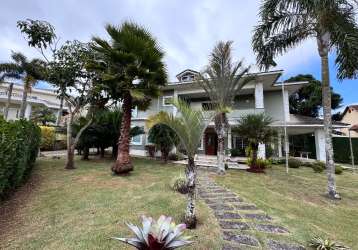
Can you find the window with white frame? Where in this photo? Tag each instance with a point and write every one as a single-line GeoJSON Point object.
{"type": "Point", "coordinates": [136, 140]}
{"type": "Point", "coordinates": [201, 146]}
{"type": "Point", "coordinates": [167, 100]}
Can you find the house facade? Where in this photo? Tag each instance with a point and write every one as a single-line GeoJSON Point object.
{"type": "Point", "coordinates": [263, 94]}
{"type": "Point", "coordinates": [37, 97]}
{"type": "Point", "coordinates": [350, 116]}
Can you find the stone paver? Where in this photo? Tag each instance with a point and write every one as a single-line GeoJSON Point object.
{"type": "Point", "coordinates": [238, 219]}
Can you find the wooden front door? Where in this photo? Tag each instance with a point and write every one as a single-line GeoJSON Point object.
{"type": "Point", "coordinates": [211, 143]}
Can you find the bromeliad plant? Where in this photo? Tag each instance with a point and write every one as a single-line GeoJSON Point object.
{"type": "Point", "coordinates": [326, 244]}
{"type": "Point", "coordinates": [162, 234]}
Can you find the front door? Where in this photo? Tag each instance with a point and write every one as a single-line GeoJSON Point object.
{"type": "Point", "coordinates": [211, 143]}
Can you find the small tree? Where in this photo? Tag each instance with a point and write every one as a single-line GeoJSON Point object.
{"type": "Point", "coordinates": [42, 115]}
{"type": "Point", "coordinates": [222, 80]}
{"type": "Point", "coordinates": [255, 128]}
{"type": "Point", "coordinates": [164, 139]}
{"type": "Point", "coordinates": [189, 127]}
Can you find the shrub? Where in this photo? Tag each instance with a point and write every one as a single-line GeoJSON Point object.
{"type": "Point", "coordinates": [294, 163]}
{"type": "Point", "coordinates": [173, 157]}
{"type": "Point", "coordinates": [48, 138]}
{"type": "Point", "coordinates": [338, 169]}
{"type": "Point", "coordinates": [237, 152]}
{"type": "Point", "coordinates": [278, 161]}
{"type": "Point", "coordinates": [179, 185]}
{"type": "Point", "coordinates": [320, 243]}
{"type": "Point", "coordinates": [161, 234]}
{"type": "Point", "coordinates": [19, 145]}
{"type": "Point", "coordinates": [260, 163]}
{"type": "Point", "coordinates": [319, 166]}
{"type": "Point", "coordinates": [307, 164]}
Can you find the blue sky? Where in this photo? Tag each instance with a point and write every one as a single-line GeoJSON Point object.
{"type": "Point", "coordinates": [186, 29]}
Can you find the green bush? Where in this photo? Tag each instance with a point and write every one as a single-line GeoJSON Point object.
{"type": "Point", "coordinates": [319, 166]}
{"type": "Point", "coordinates": [173, 157]}
{"type": "Point", "coordinates": [19, 145]}
{"type": "Point", "coordinates": [294, 163]}
{"type": "Point", "coordinates": [260, 163]}
{"type": "Point", "coordinates": [338, 169]}
{"type": "Point", "coordinates": [237, 152]}
{"type": "Point", "coordinates": [278, 161]}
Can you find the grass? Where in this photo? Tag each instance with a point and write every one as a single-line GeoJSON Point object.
{"type": "Point", "coordinates": [83, 208]}
{"type": "Point", "coordinates": [298, 202]}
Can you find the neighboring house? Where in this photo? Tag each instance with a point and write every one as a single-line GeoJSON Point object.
{"type": "Point", "coordinates": [37, 97]}
{"type": "Point", "coordinates": [264, 94]}
{"type": "Point", "coordinates": [350, 116]}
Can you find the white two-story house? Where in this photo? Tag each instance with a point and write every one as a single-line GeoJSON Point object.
{"type": "Point", "coordinates": [37, 97]}
{"type": "Point", "coordinates": [263, 94]}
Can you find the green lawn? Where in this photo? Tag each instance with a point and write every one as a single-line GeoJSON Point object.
{"type": "Point", "coordinates": [297, 201]}
{"type": "Point", "coordinates": [83, 208]}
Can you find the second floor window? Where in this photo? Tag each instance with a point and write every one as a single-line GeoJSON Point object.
{"type": "Point", "coordinates": [167, 100]}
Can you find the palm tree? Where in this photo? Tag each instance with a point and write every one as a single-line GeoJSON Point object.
{"type": "Point", "coordinates": [255, 128]}
{"type": "Point", "coordinates": [132, 69]}
{"type": "Point", "coordinates": [222, 80]}
{"type": "Point", "coordinates": [286, 23]}
{"type": "Point", "coordinates": [164, 139]}
{"type": "Point", "coordinates": [29, 71]}
{"type": "Point", "coordinates": [189, 127]}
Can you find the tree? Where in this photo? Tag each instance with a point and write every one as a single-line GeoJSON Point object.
{"type": "Point", "coordinates": [286, 23]}
{"type": "Point", "coordinates": [41, 35]}
{"type": "Point", "coordinates": [9, 70]}
{"type": "Point", "coordinates": [222, 80]}
{"type": "Point", "coordinates": [29, 71]}
{"type": "Point", "coordinates": [308, 99]}
{"type": "Point", "coordinates": [164, 139]}
{"type": "Point", "coordinates": [132, 69]}
{"type": "Point", "coordinates": [43, 115]}
{"type": "Point", "coordinates": [255, 128]}
{"type": "Point", "coordinates": [189, 127]}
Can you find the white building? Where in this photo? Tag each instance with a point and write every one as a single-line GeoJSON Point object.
{"type": "Point", "coordinates": [37, 97]}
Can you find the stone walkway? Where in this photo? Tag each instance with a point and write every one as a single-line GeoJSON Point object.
{"type": "Point", "coordinates": [240, 221]}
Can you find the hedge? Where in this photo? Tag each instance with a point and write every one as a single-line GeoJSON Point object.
{"type": "Point", "coordinates": [342, 152]}
{"type": "Point", "coordinates": [19, 145]}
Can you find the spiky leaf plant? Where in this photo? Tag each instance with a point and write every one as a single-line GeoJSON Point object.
{"type": "Point", "coordinates": [326, 244]}
{"type": "Point", "coordinates": [162, 234]}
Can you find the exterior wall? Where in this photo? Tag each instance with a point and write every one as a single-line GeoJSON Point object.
{"type": "Point", "coordinates": [274, 105]}
{"type": "Point", "coordinates": [350, 118]}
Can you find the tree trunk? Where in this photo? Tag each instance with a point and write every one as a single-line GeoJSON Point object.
{"type": "Point", "coordinates": [85, 153]}
{"type": "Point", "coordinates": [323, 42]}
{"type": "Point", "coordinates": [123, 163]}
{"type": "Point", "coordinates": [23, 102]}
{"type": "Point", "coordinates": [70, 147]}
{"type": "Point", "coordinates": [8, 101]}
{"type": "Point", "coordinates": [221, 132]}
{"type": "Point", "coordinates": [190, 172]}
{"type": "Point", "coordinates": [103, 151]}
{"type": "Point", "coordinates": [59, 115]}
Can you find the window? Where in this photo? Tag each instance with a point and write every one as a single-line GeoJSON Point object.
{"type": "Point", "coordinates": [201, 146]}
{"type": "Point", "coordinates": [136, 140]}
{"type": "Point", "coordinates": [208, 106]}
{"type": "Point", "coordinates": [187, 78]}
{"type": "Point", "coordinates": [135, 112]}
{"type": "Point", "coordinates": [167, 100]}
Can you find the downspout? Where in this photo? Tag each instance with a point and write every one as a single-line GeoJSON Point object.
{"type": "Point", "coordinates": [285, 126]}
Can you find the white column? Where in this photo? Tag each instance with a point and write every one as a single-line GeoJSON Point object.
{"type": "Point", "coordinates": [28, 111]}
{"type": "Point", "coordinates": [286, 105]}
{"type": "Point", "coordinates": [262, 151]}
{"type": "Point", "coordinates": [320, 144]}
{"type": "Point", "coordinates": [259, 96]}
{"type": "Point", "coordinates": [175, 98]}
{"type": "Point", "coordinates": [229, 140]}
{"type": "Point", "coordinates": [279, 145]}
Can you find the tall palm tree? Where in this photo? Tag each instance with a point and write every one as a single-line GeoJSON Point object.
{"type": "Point", "coordinates": [222, 80]}
{"type": "Point", "coordinates": [132, 69]}
{"type": "Point", "coordinates": [286, 23]}
{"type": "Point", "coordinates": [255, 128]}
{"type": "Point", "coordinates": [189, 127]}
{"type": "Point", "coordinates": [29, 71]}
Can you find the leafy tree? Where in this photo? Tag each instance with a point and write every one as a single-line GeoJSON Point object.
{"type": "Point", "coordinates": [164, 139]}
{"type": "Point", "coordinates": [222, 80]}
{"type": "Point", "coordinates": [255, 128]}
{"type": "Point", "coordinates": [132, 70]}
{"type": "Point", "coordinates": [189, 127]}
{"type": "Point", "coordinates": [21, 68]}
{"type": "Point", "coordinates": [308, 99]}
{"type": "Point", "coordinates": [42, 115]}
{"type": "Point", "coordinates": [286, 23]}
